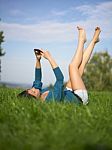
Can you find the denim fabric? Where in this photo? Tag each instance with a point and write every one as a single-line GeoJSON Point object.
{"type": "Point", "coordinates": [38, 75]}
{"type": "Point", "coordinates": [56, 92]}
{"type": "Point", "coordinates": [70, 97]}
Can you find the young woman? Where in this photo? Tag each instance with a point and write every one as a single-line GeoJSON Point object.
{"type": "Point", "coordinates": [36, 90]}
{"type": "Point", "coordinates": [75, 90]}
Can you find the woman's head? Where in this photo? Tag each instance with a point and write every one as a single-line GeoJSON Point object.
{"type": "Point", "coordinates": [34, 93]}
{"type": "Point", "coordinates": [30, 93]}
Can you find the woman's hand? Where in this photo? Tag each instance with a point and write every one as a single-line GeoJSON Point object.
{"type": "Point", "coordinates": [46, 54]}
{"type": "Point", "coordinates": [38, 55]}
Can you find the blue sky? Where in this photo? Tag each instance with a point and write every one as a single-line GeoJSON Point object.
{"type": "Point", "coordinates": [50, 24]}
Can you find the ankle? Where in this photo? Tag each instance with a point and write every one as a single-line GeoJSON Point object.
{"type": "Point", "coordinates": [95, 40]}
{"type": "Point", "coordinates": [81, 42]}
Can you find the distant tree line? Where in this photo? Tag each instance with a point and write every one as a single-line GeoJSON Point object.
{"type": "Point", "coordinates": [1, 49]}
{"type": "Point", "coordinates": [98, 73]}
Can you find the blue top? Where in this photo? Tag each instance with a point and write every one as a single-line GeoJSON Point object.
{"type": "Point", "coordinates": [58, 93]}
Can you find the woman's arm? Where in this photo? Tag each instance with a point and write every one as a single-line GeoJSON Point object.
{"type": "Point", "coordinates": [47, 55]}
{"type": "Point", "coordinates": [56, 69]}
{"type": "Point", "coordinates": [58, 86]}
{"type": "Point", "coordinates": [38, 74]}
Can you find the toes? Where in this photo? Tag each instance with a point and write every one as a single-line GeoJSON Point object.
{"type": "Point", "coordinates": [97, 28]}
{"type": "Point", "coordinates": [79, 28]}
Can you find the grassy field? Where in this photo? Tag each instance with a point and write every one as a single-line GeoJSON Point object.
{"type": "Point", "coordinates": [32, 125]}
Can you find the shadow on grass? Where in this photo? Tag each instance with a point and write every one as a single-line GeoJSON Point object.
{"type": "Point", "coordinates": [97, 147]}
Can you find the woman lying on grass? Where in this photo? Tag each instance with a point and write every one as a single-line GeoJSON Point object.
{"type": "Point", "coordinates": [75, 90]}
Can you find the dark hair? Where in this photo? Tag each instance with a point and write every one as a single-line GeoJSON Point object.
{"type": "Point", "coordinates": [25, 94]}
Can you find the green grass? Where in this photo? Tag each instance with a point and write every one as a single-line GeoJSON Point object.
{"type": "Point", "coordinates": [32, 125]}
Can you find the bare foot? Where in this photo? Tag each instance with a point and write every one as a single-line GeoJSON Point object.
{"type": "Point", "coordinates": [96, 35]}
{"type": "Point", "coordinates": [82, 34]}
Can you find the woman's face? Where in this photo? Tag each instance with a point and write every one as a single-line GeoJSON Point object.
{"type": "Point", "coordinates": [34, 92]}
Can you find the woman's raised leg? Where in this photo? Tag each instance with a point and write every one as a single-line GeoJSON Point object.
{"type": "Point", "coordinates": [87, 53]}
{"type": "Point", "coordinates": [88, 50]}
{"type": "Point", "coordinates": [74, 74]}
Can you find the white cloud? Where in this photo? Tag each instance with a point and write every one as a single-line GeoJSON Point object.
{"type": "Point", "coordinates": [41, 33]}
{"type": "Point", "coordinates": [59, 13]}
{"type": "Point", "coordinates": [47, 32]}
{"type": "Point", "coordinates": [100, 14]}
{"type": "Point", "coordinates": [99, 10]}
